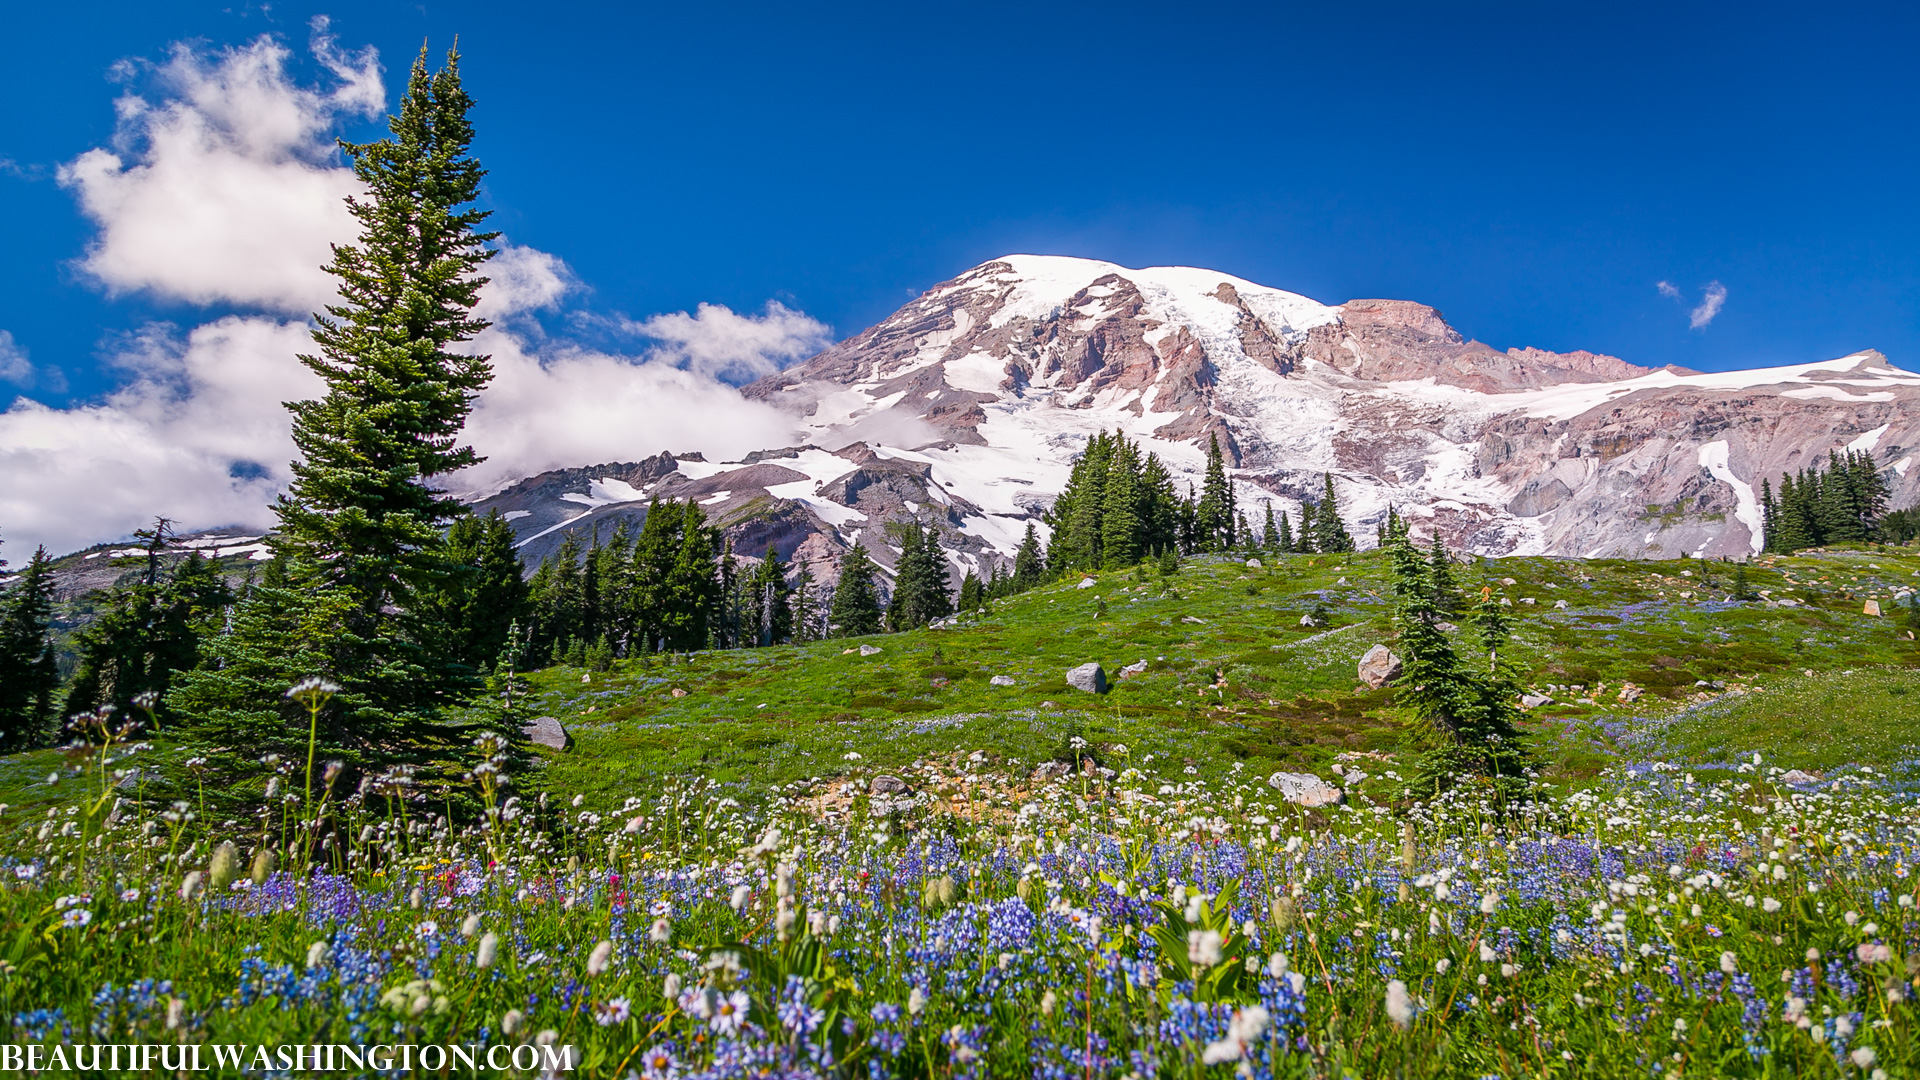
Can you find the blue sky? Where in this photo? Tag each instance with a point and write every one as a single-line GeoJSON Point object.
{"type": "Point", "coordinates": [1534, 171]}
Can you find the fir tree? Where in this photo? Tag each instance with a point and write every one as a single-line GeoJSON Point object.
{"type": "Point", "coordinates": [1028, 569]}
{"type": "Point", "coordinates": [691, 594]}
{"type": "Point", "coordinates": [855, 611]}
{"type": "Point", "coordinates": [28, 677]}
{"type": "Point", "coordinates": [920, 592]}
{"type": "Point", "coordinates": [972, 593]}
{"type": "Point", "coordinates": [1329, 532]}
{"type": "Point", "coordinates": [1286, 541]}
{"type": "Point", "coordinates": [1269, 532]}
{"type": "Point", "coordinates": [1303, 540]}
{"type": "Point", "coordinates": [487, 595]}
{"type": "Point", "coordinates": [806, 607]}
{"type": "Point", "coordinates": [361, 520]}
{"type": "Point", "coordinates": [1446, 594]}
{"type": "Point", "coordinates": [1769, 518]}
{"type": "Point", "coordinates": [149, 630]}
{"type": "Point", "coordinates": [1742, 591]}
{"type": "Point", "coordinates": [772, 600]}
{"type": "Point", "coordinates": [1213, 515]}
{"type": "Point", "coordinates": [1120, 524]}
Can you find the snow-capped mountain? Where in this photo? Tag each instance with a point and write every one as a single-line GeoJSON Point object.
{"type": "Point", "coordinates": [970, 403]}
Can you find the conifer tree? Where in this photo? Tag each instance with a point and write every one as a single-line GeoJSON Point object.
{"type": "Point", "coordinates": [972, 593]}
{"type": "Point", "coordinates": [28, 676]}
{"type": "Point", "coordinates": [360, 524]}
{"type": "Point", "coordinates": [1269, 532]}
{"type": "Point", "coordinates": [148, 630]}
{"type": "Point", "coordinates": [1769, 518]}
{"type": "Point", "coordinates": [920, 591]}
{"type": "Point", "coordinates": [1446, 594]}
{"type": "Point", "coordinates": [1329, 532]}
{"type": "Point", "coordinates": [772, 600]}
{"type": "Point", "coordinates": [1028, 569]}
{"type": "Point", "coordinates": [487, 595]}
{"type": "Point", "coordinates": [1303, 540]}
{"type": "Point", "coordinates": [1120, 524]}
{"type": "Point", "coordinates": [1213, 524]}
{"type": "Point", "coordinates": [806, 606]}
{"type": "Point", "coordinates": [691, 595]}
{"type": "Point", "coordinates": [855, 611]}
{"type": "Point", "coordinates": [1286, 541]}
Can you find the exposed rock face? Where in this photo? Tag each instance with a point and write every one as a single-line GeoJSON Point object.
{"type": "Point", "coordinates": [967, 406]}
{"type": "Point", "coordinates": [1379, 667]}
{"type": "Point", "coordinates": [1305, 789]}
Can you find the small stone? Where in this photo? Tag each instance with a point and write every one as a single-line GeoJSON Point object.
{"type": "Point", "coordinates": [1090, 677]}
{"type": "Point", "coordinates": [1342, 581]}
{"type": "Point", "coordinates": [869, 650]}
{"type": "Point", "coordinates": [1797, 777]}
{"type": "Point", "coordinates": [1508, 581]}
{"type": "Point", "coordinates": [1049, 704]}
{"type": "Point", "coordinates": [1255, 563]}
{"type": "Point", "coordinates": [1380, 666]}
{"type": "Point", "coordinates": [1191, 619]}
{"type": "Point", "coordinates": [1304, 789]}
{"type": "Point", "coordinates": [1534, 701]}
{"type": "Point", "coordinates": [677, 692]}
{"type": "Point", "coordinates": [1001, 680]}
{"type": "Point", "coordinates": [1504, 602]}
{"type": "Point", "coordinates": [1872, 608]}
{"type": "Point", "coordinates": [1307, 620]}
{"type": "Point", "coordinates": [546, 731]}
{"type": "Point", "coordinates": [1527, 600]}
{"type": "Point", "coordinates": [1559, 605]}
{"type": "Point", "coordinates": [1136, 668]}
{"type": "Point", "coordinates": [1086, 583]}
{"type": "Point", "coordinates": [888, 785]}
{"type": "Point", "coordinates": [1630, 693]}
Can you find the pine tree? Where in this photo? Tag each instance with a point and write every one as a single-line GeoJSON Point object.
{"type": "Point", "coordinates": [691, 594]}
{"type": "Point", "coordinates": [806, 607]}
{"type": "Point", "coordinates": [972, 593]}
{"type": "Point", "coordinates": [28, 676]}
{"type": "Point", "coordinates": [772, 600]}
{"type": "Point", "coordinates": [1286, 541]}
{"type": "Point", "coordinates": [1213, 524]}
{"type": "Point", "coordinates": [920, 592]}
{"type": "Point", "coordinates": [1446, 594]}
{"type": "Point", "coordinates": [361, 520]}
{"type": "Point", "coordinates": [1769, 518]}
{"type": "Point", "coordinates": [149, 630]}
{"type": "Point", "coordinates": [480, 603]}
{"type": "Point", "coordinates": [1269, 532]}
{"type": "Point", "coordinates": [1303, 540]}
{"type": "Point", "coordinates": [1075, 516]}
{"type": "Point", "coordinates": [1329, 532]}
{"type": "Point", "coordinates": [855, 611]}
{"type": "Point", "coordinates": [1028, 570]}
{"type": "Point", "coordinates": [1120, 524]}
{"type": "Point", "coordinates": [1742, 591]}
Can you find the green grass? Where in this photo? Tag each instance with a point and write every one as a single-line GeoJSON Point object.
{"type": "Point", "coordinates": [1233, 677]}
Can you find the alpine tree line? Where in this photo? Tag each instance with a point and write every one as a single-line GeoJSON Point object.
{"type": "Point", "coordinates": [1846, 501]}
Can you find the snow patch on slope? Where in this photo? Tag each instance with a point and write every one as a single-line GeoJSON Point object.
{"type": "Point", "coordinates": [1714, 457]}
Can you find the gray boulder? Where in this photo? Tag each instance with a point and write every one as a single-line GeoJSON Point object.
{"type": "Point", "coordinates": [888, 785]}
{"type": "Point", "coordinates": [1136, 668]}
{"type": "Point", "coordinates": [1086, 583]}
{"type": "Point", "coordinates": [1379, 667]}
{"type": "Point", "coordinates": [1089, 677]}
{"type": "Point", "coordinates": [1798, 778]}
{"type": "Point", "coordinates": [546, 731]}
{"type": "Point", "coordinates": [869, 650]}
{"type": "Point", "coordinates": [1304, 789]}
{"type": "Point", "coordinates": [1001, 680]}
{"type": "Point", "coordinates": [1534, 701]}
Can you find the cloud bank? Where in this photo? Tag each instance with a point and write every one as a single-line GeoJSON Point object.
{"type": "Point", "coordinates": [222, 189]}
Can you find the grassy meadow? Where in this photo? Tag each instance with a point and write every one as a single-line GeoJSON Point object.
{"type": "Point", "coordinates": [1714, 876]}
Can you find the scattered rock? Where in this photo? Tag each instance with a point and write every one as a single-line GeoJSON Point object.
{"type": "Point", "coordinates": [1445, 627]}
{"type": "Point", "coordinates": [677, 692]}
{"type": "Point", "coordinates": [1001, 680]}
{"type": "Point", "coordinates": [1629, 693]}
{"type": "Point", "coordinates": [1559, 605]}
{"type": "Point", "coordinates": [1307, 620]}
{"type": "Point", "coordinates": [1086, 583]}
{"type": "Point", "coordinates": [1304, 789]}
{"type": "Point", "coordinates": [869, 650]}
{"type": "Point", "coordinates": [1091, 678]}
{"type": "Point", "coordinates": [1050, 769]}
{"type": "Point", "coordinates": [1380, 666]}
{"type": "Point", "coordinates": [1049, 704]}
{"type": "Point", "coordinates": [1191, 619]}
{"type": "Point", "coordinates": [1255, 563]}
{"type": "Point", "coordinates": [1534, 701]}
{"type": "Point", "coordinates": [1342, 581]}
{"type": "Point", "coordinates": [1797, 777]}
{"type": "Point", "coordinates": [1137, 668]}
{"type": "Point", "coordinates": [1872, 608]}
{"type": "Point", "coordinates": [1508, 581]}
{"type": "Point", "coordinates": [1504, 602]}
{"type": "Point", "coordinates": [1528, 600]}
{"type": "Point", "coordinates": [888, 785]}
{"type": "Point", "coordinates": [546, 731]}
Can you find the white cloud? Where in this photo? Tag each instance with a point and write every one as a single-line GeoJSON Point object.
{"type": "Point", "coordinates": [718, 343]}
{"type": "Point", "coordinates": [14, 367]}
{"type": "Point", "coordinates": [226, 192]}
{"type": "Point", "coordinates": [228, 189]}
{"type": "Point", "coordinates": [1710, 305]}
{"type": "Point", "coordinates": [1669, 290]}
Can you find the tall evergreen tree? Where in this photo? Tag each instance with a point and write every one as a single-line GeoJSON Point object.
{"type": "Point", "coordinates": [1446, 593]}
{"type": "Point", "coordinates": [28, 676]}
{"type": "Point", "coordinates": [1286, 541]}
{"type": "Point", "coordinates": [1330, 534]}
{"type": "Point", "coordinates": [855, 611]}
{"type": "Point", "coordinates": [972, 592]}
{"type": "Point", "coordinates": [692, 591]}
{"type": "Point", "coordinates": [361, 521]}
{"type": "Point", "coordinates": [806, 606]}
{"type": "Point", "coordinates": [1269, 532]}
{"type": "Point", "coordinates": [1769, 517]}
{"type": "Point", "coordinates": [772, 600]}
{"type": "Point", "coordinates": [920, 591]}
{"type": "Point", "coordinates": [480, 603]}
{"type": "Point", "coordinates": [1121, 534]}
{"type": "Point", "coordinates": [1213, 526]}
{"type": "Point", "coordinates": [1028, 568]}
